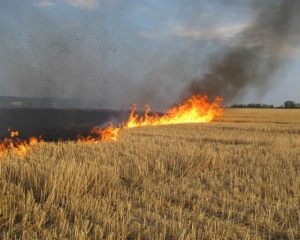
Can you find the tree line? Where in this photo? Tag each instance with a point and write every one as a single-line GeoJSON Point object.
{"type": "Point", "coordinates": [287, 104]}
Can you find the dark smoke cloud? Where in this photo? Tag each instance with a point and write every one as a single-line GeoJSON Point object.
{"type": "Point", "coordinates": [99, 55]}
{"type": "Point", "coordinates": [253, 57]}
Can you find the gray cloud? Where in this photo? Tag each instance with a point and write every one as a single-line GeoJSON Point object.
{"type": "Point", "coordinates": [196, 34]}
{"type": "Point", "coordinates": [87, 4]}
{"type": "Point", "coordinates": [43, 4]}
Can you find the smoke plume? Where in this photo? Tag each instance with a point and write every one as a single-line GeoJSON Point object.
{"type": "Point", "coordinates": [253, 57]}
{"type": "Point", "coordinates": [139, 52]}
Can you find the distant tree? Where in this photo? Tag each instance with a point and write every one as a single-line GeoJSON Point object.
{"type": "Point", "coordinates": [290, 104]}
{"type": "Point", "coordinates": [267, 106]}
{"type": "Point", "coordinates": [287, 104]}
{"type": "Point", "coordinates": [238, 106]}
{"type": "Point", "coordinates": [252, 105]}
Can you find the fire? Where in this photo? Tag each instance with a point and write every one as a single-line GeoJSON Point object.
{"type": "Point", "coordinates": [109, 133]}
{"type": "Point", "coordinates": [17, 145]}
{"type": "Point", "coordinates": [33, 141]}
{"type": "Point", "coordinates": [99, 134]}
{"type": "Point", "coordinates": [14, 133]}
{"type": "Point", "coordinates": [196, 109]}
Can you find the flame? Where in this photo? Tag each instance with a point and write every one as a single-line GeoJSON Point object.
{"type": "Point", "coordinates": [17, 145]}
{"type": "Point", "coordinates": [14, 133]}
{"type": "Point", "coordinates": [109, 133]}
{"type": "Point", "coordinates": [196, 109]}
{"type": "Point", "coordinates": [99, 134]}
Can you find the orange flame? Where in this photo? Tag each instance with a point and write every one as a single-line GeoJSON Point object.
{"type": "Point", "coordinates": [14, 133]}
{"type": "Point", "coordinates": [99, 134]}
{"type": "Point", "coordinates": [196, 109]}
{"type": "Point", "coordinates": [109, 133]}
{"type": "Point", "coordinates": [15, 144]}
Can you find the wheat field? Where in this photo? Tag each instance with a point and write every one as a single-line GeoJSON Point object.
{"type": "Point", "coordinates": [235, 178]}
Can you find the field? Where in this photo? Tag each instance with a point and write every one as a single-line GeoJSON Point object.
{"type": "Point", "coordinates": [235, 178]}
{"type": "Point", "coordinates": [56, 123]}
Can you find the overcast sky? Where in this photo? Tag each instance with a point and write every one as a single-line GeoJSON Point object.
{"type": "Point", "coordinates": [132, 51]}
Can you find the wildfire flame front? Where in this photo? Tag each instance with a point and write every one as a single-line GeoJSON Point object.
{"type": "Point", "coordinates": [196, 109]}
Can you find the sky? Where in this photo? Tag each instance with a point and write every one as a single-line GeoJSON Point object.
{"type": "Point", "coordinates": [148, 52]}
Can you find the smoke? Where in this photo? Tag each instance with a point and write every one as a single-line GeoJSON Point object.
{"type": "Point", "coordinates": [46, 54]}
{"type": "Point", "coordinates": [147, 53]}
{"type": "Point", "coordinates": [253, 57]}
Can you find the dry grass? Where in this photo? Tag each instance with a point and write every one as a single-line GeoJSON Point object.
{"type": "Point", "coordinates": [237, 178]}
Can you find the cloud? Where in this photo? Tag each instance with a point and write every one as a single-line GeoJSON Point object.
{"type": "Point", "coordinates": [86, 4]}
{"type": "Point", "coordinates": [291, 48]}
{"type": "Point", "coordinates": [43, 4]}
{"type": "Point", "coordinates": [222, 33]}
{"type": "Point", "coordinates": [290, 52]}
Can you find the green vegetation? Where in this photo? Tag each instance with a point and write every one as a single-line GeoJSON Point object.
{"type": "Point", "coordinates": [287, 105]}
{"type": "Point", "coordinates": [291, 104]}
{"type": "Point", "coordinates": [252, 105]}
{"type": "Point", "coordinates": [235, 178]}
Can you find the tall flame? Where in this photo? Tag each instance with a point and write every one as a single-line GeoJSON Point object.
{"type": "Point", "coordinates": [196, 109]}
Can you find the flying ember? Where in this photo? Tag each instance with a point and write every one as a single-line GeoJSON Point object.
{"type": "Point", "coordinates": [196, 109]}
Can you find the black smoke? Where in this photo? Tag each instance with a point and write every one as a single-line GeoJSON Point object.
{"type": "Point", "coordinates": [103, 54]}
{"type": "Point", "coordinates": [254, 56]}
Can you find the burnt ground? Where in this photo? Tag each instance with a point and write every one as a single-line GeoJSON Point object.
{"type": "Point", "coordinates": [54, 124]}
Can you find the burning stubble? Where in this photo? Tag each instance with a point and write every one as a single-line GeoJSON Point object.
{"type": "Point", "coordinates": [254, 57]}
